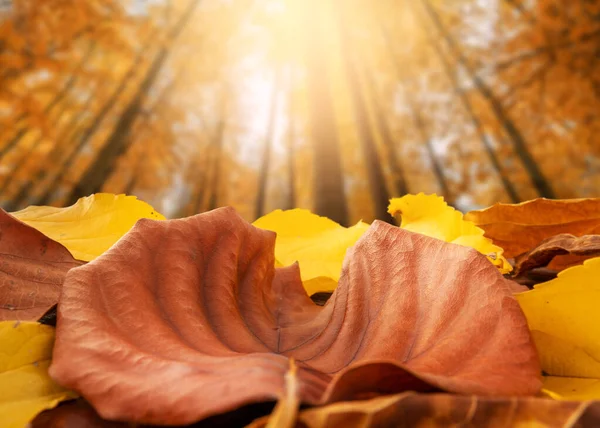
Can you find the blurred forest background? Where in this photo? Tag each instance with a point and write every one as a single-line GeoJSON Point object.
{"type": "Point", "coordinates": [330, 105]}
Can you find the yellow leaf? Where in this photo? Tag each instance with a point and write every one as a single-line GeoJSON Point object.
{"type": "Point", "coordinates": [430, 215]}
{"type": "Point", "coordinates": [565, 325]}
{"type": "Point", "coordinates": [90, 226]}
{"type": "Point", "coordinates": [571, 388]}
{"type": "Point", "coordinates": [25, 387]}
{"type": "Point", "coordinates": [316, 243]}
{"type": "Point", "coordinates": [564, 319]}
{"type": "Point", "coordinates": [320, 284]}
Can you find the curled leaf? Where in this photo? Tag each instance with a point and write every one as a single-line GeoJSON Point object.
{"type": "Point", "coordinates": [518, 228]}
{"type": "Point", "coordinates": [564, 320]}
{"type": "Point", "coordinates": [565, 244]}
{"type": "Point", "coordinates": [317, 243]}
{"type": "Point", "coordinates": [25, 387]}
{"type": "Point", "coordinates": [432, 216]}
{"type": "Point", "coordinates": [32, 270]}
{"type": "Point", "coordinates": [193, 311]}
{"type": "Point", "coordinates": [90, 226]}
{"type": "Point", "coordinates": [531, 278]}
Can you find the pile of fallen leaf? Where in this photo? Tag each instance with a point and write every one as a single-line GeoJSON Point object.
{"type": "Point", "coordinates": [113, 316]}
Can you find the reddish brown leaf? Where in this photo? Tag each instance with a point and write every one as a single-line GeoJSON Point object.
{"type": "Point", "coordinates": [79, 414]}
{"type": "Point", "coordinates": [32, 270]}
{"type": "Point", "coordinates": [445, 410]}
{"type": "Point", "coordinates": [73, 414]}
{"type": "Point", "coordinates": [560, 263]}
{"type": "Point", "coordinates": [188, 318]}
{"type": "Point", "coordinates": [533, 277]}
{"type": "Point", "coordinates": [521, 227]}
{"type": "Point", "coordinates": [564, 244]}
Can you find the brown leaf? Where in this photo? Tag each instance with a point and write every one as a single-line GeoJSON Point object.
{"type": "Point", "coordinates": [520, 228]}
{"type": "Point", "coordinates": [443, 410]}
{"type": "Point", "coordinates": [564, 244]}
{"type": "Point", "coordinates": [188, 318]}
{"type": "Point", "coordinates": [80, 414]}
{"type": "Point", "coordinates": [531, 278]}
{"type": "Point", "coordinates": [73, 414]}
{"type": "Point", "coordinates": [32, 270]}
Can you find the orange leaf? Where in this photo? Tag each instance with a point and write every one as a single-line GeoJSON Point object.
{"type": "Point", "coordinates": [521, 227]}
{"type": "Point", "coordinates": [32, 270]}
{"type": "Point", "coordinates": [193, 311]}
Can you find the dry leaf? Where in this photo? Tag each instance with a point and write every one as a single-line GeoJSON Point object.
{"type": "Point", "coordinates": [443, 410]}
{"type": "Point", "coordinates": [531, 278]}
{"type": "Point", "coordinates": [193, 311]}
{"type": "Point", "coordinates": [32, 270]}
{"type": "Point", "coordinates": [74, 414]}
{"type": "Point", "coordinates": [583, 247]}
{"type": "Point", "coordinates": [90, 226]}
{"type": "Point", "coordinates": [316, 243]}
{"type": "Point", "coordinates": [432, 216]}
{"type": "Point", "coordinates": [521, 227]}
{"type": "Point", "coordinates": [25, 387]}
{"type": "Point", "coordinates": [80, 414]}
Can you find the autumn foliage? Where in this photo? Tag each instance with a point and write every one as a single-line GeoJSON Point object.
{"type": "Point", "coordinates": [194, 104]}
{"type": "Point", "coordinates": [296, 253]}
{"type": "Point", "coordinates": [196, 310]}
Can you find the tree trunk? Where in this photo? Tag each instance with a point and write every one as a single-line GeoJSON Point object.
{"type": "Point", "coordinates": [291, 145]}
{"type": "Point", "coordinates": [68, 136]}
{"type": "Point", "coordinates": [12, 143]}
{"type": "Point", "coordinates": [377, 186]}
{"type": "Point", "coordinates": [328, 181]}
{"type": "Point", "coordinates": [519, 144]}
{"type": "Point", "coordinates": [104, 163]}
{"type": "Point", "coordinates": [204, 167]}
{"type": "Point", "coordinates": [487, 145]}
{"type": "Point", "coordinates": [157, 103]}
{"type": "Point", "coordinates": [263, 172]}
{"type": "Point", "coordinates": [400, 185]}
{"type": "Point", "coordinates": [217, 160]}
{"type": "Point", "coordinates": [420, 125]}
{"type": "Point", "coordinates": [73, 123]}
{"type": "Point", "coordinates": [215, 182]}
{"type": "Point", "coordinates": [438, 169]}
{"type": "Point", "coordinates": [197, 203]}
{"type": "Point", "coordinates": [58, 151]}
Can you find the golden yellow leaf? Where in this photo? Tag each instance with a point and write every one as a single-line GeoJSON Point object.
{"type": "Point", "coordinates": [316, 243]}
{"type": "Point", "coordinates": [430, 215]}
{"type": "Point", "coordinates": [90, 226]}
{"type": "Point", "coordinates": [564, 321]}
{"type": "Point", "coordinates": [572, 388]}
{"type": "Point", "coordinates": [563, 317]}
{"type": "Point", "coordinates": [320, 284]}
{"type": "Point", "coordinates": [25, 387]}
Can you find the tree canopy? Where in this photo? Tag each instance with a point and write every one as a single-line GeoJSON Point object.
{"type": "Point", "coordinates": [329, 105]}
